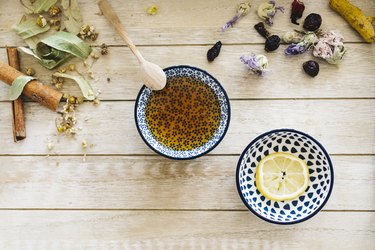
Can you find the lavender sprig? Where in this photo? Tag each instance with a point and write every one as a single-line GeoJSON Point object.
{"type": "Point", "coordinates": [257, 64]}
{"type": "Point", "coordinates": [243, 9]}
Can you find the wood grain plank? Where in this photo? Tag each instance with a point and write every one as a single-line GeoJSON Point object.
{"type": "Point", "coordinates": [151, 182]}
{"type": "Point", "coordinates": [285, 80]}
{"type": "Point", "coordinates": [185, 229]}
{"type": "Point", "coordinates": [343, 126]}
{"type": "Point", "coordinates": [186, 22]}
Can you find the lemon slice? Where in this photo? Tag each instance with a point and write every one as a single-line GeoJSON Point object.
{"type": "Point", "coordinates": [282, 176]}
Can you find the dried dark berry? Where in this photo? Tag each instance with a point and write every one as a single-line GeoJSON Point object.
{"type": "Point", "coordinates": [311, 68]}
{"type": "Point", "coordinates": [297, 10]}
{"type": "Point", "coordinates": [272, 43]}
{"type": "Point", "coordinates": [214, 51]}
{"type": "Point", "coordinates": [312, 22]}
{"type": "Point", "coordinates": [261, 29]}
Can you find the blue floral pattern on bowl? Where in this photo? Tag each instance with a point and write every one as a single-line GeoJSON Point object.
{"type": "Point", "coordinates": [301, 145]}
{"type": "Point", "coordinates": [184, 71]}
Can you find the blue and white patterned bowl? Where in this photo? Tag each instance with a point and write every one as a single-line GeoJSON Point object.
{"type": "Point", "coordinates": [301, 145]}
{"type": "Point", "coordinates": [183, 71]}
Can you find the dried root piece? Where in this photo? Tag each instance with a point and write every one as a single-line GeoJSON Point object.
{"type": "Point", "coordinates": [356, 18]}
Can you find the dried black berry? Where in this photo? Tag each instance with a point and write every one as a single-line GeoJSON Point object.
{"type": "Point", "coordinates": [312, 22]}
{"type": "Point", "coordinates": [214, 51]}
{"type": "Point", "coordinates": [311, 68]}
{"type": "Point", "coordinates": [272, 43]}
{"type": "Point", "coordinates": [261, 29]}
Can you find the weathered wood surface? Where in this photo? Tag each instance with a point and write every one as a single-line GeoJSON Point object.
{"type": "Point", "coordinates": [183, 229]}
{"type": "Point", "coordinates": [342, 126]}
{"type": "Point", "coordinates": [149, 182]}
{"type": "Point", "coordinates": [123, 196]}
{"type": "Point", "coordinates": [286, 78]}
{"type": "Point", "coordinates": [187, 22]}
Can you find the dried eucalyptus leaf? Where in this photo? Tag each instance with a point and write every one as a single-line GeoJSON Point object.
{"type": "Point", "coordinates": [29, 28]}
{"type": "Point", "coordinates": [69, 43]}
{"type": "Point", "coordinates": [17, 86]}
{"type": "Point", "coordinates": [85, 87]}
{"type": "Point", "coordinates": [43, 5]}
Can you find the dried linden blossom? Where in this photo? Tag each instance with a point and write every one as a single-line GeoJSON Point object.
{"type": "Point", "coordinates": [88, 31]}
{"type": "Point", "coordinates": [41, 21]}
{"type": "Point", "coordinates": [29, 71]}
{"type": "Point", "coordinates": [65, 123]}
{"type": "Point", "coordinates": [152, 10]}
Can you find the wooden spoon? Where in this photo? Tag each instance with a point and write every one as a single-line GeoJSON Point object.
{"type": "Point", "coordinates": [151, 74]}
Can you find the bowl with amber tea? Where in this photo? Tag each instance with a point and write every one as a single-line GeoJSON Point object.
{"type": "Point", "coordinates": [284, 176]}
{"type": "Point", "coordinates": [186, 119]}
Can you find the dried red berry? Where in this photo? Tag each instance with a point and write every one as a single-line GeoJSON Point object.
{"type": "Point", "coordinates": [312, 22]}
{"type": "Point", "coordinates": [297, 10]}
{"type": "Point", "coordinates": [311, 68]}
{"type": "Point", "coordinates": [214, 51]}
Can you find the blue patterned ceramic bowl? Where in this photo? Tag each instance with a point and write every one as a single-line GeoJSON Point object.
{"type": "Point", "coordinates": [301, 145]}
{"type": "Point", "coordinates": [219, 92]}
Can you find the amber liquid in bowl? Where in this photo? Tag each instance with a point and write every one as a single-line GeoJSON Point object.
{"type": "Point", "coordinates": [184, 115]}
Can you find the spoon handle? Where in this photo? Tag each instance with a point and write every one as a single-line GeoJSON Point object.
{"type": "Point", "coordinates": [112, 17]}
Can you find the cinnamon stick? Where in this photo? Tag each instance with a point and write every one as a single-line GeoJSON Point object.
{"type": "Point", "coordinates": [19, 128]}
{"type": "Point", "coordinates": [38, 92]}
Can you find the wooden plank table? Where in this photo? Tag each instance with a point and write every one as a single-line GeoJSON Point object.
{"type": "Point", "coordinates": [125, 196]}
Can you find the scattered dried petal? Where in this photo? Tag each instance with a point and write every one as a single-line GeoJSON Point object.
{"type": "Point", "coordinates": [298, 48]}
{"type": "Point", "coordinates": [330, 47]}
{"type": "Point", "coordinates": [267, 11]}
{"type": "Point", "coordinates": [257, 64]}
{"type": "Point", "coordinates": [242, 9]}
{"type": "Point", "coordinates": [50, 146]}
{"type": "Point", "coordinates": [84, 144]}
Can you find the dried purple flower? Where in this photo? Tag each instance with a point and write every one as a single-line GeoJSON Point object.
{"type": "Point", "coordinates": [267, 11]}
{"type": "Point", "coordinates": [257, 64]}
{"type": "Point", "coordinates": [243, 9]}
{"type": "Point", "coordinates": [306, 42]}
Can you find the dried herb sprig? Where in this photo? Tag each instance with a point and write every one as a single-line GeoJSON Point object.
{"type": "Point", "coordinates": [243, 9]}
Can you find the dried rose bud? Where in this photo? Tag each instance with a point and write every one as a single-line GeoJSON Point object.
{"type": "Point", "coordinates": [311, 68]}
{"type": "Point", "coordinates": [214, 52]}
{"type": "Point", "coordinates": [272, 43]}
{"type": "Point", "coordinates": [54, 11]}
{"type": "Point", "coordinates": [312, 22]}
{"type": "Point", "coordinates": [297, 10]}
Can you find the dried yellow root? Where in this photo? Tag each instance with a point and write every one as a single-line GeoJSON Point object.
{"type": "Point", "coordinates": [355, 18]}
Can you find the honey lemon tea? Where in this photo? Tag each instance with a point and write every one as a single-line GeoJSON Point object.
{"type": "Point", "coordinates": [184, 115]}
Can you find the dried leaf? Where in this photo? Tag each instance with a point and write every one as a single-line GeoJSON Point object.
{"type": "Point", "coordinates": [17, 86]}
{"type": "Point", "coordinates": [69, 43]}
{"type": "Point", "coordinates": [29, 28]}
{"type": "Point", "coordinates": [45, 59]}
{"type": "Point", "coordinates": [85, 87]}
{"type": "Point", "coordinates": [38, 6]}
{"type": "Point", "coordinates": [72, 12]}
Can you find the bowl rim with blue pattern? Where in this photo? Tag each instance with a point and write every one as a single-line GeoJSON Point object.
{"type": "Point", "coordinates": [225, 116]}
{"type": "Point", "coordinates": [242, 159]}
